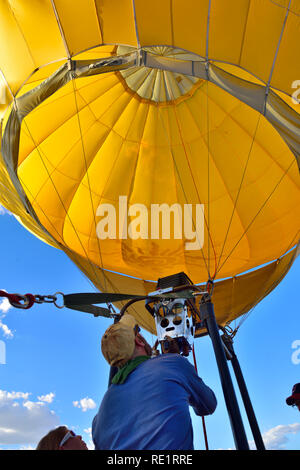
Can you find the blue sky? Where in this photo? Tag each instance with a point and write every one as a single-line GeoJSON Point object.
{"type": "Point", "coordinates": [54, 372]}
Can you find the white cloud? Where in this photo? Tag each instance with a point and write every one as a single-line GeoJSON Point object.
{"type": "Point", "coordinates": [6, 331]}
{"type": "Point", "coordinates": [5, 305]}
{"type": "Point", "coordinates": [4, 308]}
{"type": "Point", "coordinates": [24, 422]}
{"type": "Point", "coordinates": [88, 431]}
{"type": "Point", "coordinates": [90, 445]}
{"type": "Point", "coordinates": [33, 405]}
{"type": "Point", "coordinates": [276, 438]}
{"type": "Point", "coordinates": [89, 442]}
{"type": "Point", "coordinates": [47, 398]}
{"type": "Point", "coordinates": [7, 397]}
{"type": "Point", "coordinates": [4, 211]}
{"type": "Point", "coordinates": [85, 404]}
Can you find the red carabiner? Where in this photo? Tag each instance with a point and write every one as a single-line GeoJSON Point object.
{"type": "Point", "coordinates": [19, 301]}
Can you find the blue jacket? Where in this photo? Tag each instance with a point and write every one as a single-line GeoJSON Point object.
{"type": "Point", "coordinates": [151, 409]}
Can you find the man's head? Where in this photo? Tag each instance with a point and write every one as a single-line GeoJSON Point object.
{"type": "Point", "coordinates": [294, 399]}
{"type": "Point", "coordinates": [122, 342]}
{"type": "Point", "coordinates": [142, 348]}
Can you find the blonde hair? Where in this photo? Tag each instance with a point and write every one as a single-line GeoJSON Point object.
{"type": "Point", "coordinates": [52, 440]}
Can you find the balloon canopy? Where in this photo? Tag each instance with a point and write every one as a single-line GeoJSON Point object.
{"type": "Point", "coordinates": [186, 108]}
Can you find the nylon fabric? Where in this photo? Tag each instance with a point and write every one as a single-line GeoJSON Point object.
{"type": "Point", "coordinates": [80, 133]}
{"type": "Point", "coordinates": [151, 409]}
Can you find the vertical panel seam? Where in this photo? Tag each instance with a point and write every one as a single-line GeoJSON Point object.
{"type": "Point", "coordinates": [276, 54]}
{"type": "Point", "coordinates": [99, 22]}
{"type": "Point", "coordinates": [61, 29]}
{"type": "Point", "coordinates": [135, 24]}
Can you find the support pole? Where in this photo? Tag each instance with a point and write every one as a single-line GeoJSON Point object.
{"type": "Point", "coordinates": [244, 394]}
{"type": "Point", "coordinates": [239, 434]}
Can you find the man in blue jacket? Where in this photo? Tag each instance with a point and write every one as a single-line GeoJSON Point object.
{"type": "Point", "coordinates": [147, 405]}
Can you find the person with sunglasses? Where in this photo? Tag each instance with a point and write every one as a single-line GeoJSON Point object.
{"type": "Point", "coordinates": [61, 438]}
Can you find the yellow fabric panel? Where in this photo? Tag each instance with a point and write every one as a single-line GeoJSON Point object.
{"type": "Point", "coordinates": [160, 154]}
{"type": "Point", "coordinates": [97, 52]}
{"type": "Point", "coordinates": [15, 60]}
{"type": "Point", "coordinates": [295, 7]}
{"type": "Point", "coordinates": [237, 30]}
{"type": "Point", "coordinates": [286, 69]}
{"type": "Point", "coordinates": [138, 133]}
{"type": "Point", "coordinates": [57, 115]}
{"type": "Point", "coordinates": [193, 14]}
{"type": "Point", "coordinates": [79, 23]}
{"type": "Point", "coordinates": [27, 47]}
{"type": "Point", "coordinates": [117, 21]}
{"type": "Point", "coordinates": [5, 97]}
{"type": "Point", "coordinates": [228, 23]}
{"type": "Point", "coordinates": [263, 30]}
{"type": "Point", "coordinates": [169, 18]}
{"type": "Point", "coordinates": [231, 297]}
{"type": "Point", "coordinates": [39, 29]}
{"type": "Point", "coordinates": [249, 289]}
{"type": "Point", "coordinates": [153, 13]}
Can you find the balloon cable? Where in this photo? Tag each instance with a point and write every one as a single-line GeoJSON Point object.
{"type": "Point", "coordinates": [203, 419]}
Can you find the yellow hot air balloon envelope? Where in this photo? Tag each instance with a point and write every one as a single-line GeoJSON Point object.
{"type": "Point", "coordinates": [156, 109]}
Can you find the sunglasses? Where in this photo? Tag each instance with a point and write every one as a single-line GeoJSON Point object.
{"type": "Point", "coordinates": [67, 437]}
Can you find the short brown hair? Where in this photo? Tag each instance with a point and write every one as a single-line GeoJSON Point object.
{"type": "Point", "coordinates": [52, 440]}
